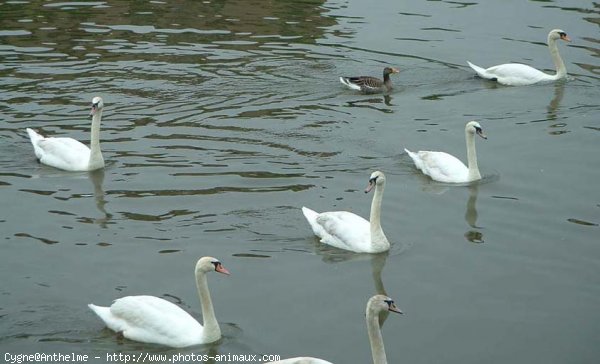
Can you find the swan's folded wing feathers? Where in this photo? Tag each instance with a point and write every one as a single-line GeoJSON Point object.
{"type": "Point", "coordinates": [515, 74]}
{"type": "Point", "coordinates": [441, 166]}
{"type": "Point", "coordinates": [144, 318]}
{"type": "Point", "coordinates": [345, 230]}
{"type": "Point", "coordinates": [63, 153]}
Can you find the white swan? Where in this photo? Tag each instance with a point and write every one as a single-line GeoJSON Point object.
{"type": "Point", "coordinates": [345, 230]}
{"type": "Point", "coordinates": [154, 320]}
{"type": "Point", "coordinates": [67, 153]}
{"type": "Point", "coordinates": [516, 74]}
{"type": "Point", "coordinates": [444, 167]}
{"type": "Point", "coordinates": [375, 306]}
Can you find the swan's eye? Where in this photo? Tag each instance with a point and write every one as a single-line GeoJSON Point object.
{"type": "Point", "coordinates": [562, 34]}
{"type": "Point", "coordinates": [373, 180]}
{"type": "Point", "coordinates": [389, 302]}
{"type": "Point", "coordinates": [478, 130]}
{"type": "Point", "coordinates": [216, 264]}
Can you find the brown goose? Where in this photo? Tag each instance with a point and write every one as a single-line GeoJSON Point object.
{"type": "Point", "coordinates": [368, 84]}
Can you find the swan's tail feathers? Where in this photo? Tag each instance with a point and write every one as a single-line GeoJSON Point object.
{"type": "Point", "coordinates": [480, 71]}
{"type": "Point", "coordinates": [106, 316]}
{"type": "Point", "coordinates": [346, 81]}
{"type": "Point", "coordinates": [411, 154]}
{"type": "Point", "coordinates": [35, 138]}
{"type": "Point", "coordinates": [416, 159]}
{"type": "Point", "coordinates": [99, 310]}
{"type": "Point", "coordinates": [309, 214]}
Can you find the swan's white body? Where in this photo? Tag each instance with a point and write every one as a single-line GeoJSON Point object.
{"type": "Point", "coordinates": [67, 153]}
{"type": "Point", "coordinates": [516, 74]}
{"type": "Point", "coordinates": [348, 231]}
{"type": "Point", "coordinates": [154, 320]}
{"type": "Point", "coordinates": [375, 306]}
{"type": "Point", "coordinates": [444, 167]}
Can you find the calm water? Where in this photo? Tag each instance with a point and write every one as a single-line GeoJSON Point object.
{"type": "Point", "coordinates": [223, 118]}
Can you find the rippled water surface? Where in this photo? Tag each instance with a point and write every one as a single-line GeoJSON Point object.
{"type": "Point", "coordinates": [223, 118]}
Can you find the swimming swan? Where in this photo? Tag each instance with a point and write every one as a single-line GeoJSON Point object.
{"type": "Point", "coordinates": [154, 320]}
{"type": "Point", "coordinates": [516, 74]}
{"type": "Point", "coordinates": [444, 167]}
{"type": "Point", "coordinates": [345, 230]}
{"type": "Point", "coordinates": [70, 154]}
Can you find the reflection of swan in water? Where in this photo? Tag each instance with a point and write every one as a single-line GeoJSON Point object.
{"type": "Point", "coordinates": [330, 255]}
{"type": "Point", "coordinates": [559, 92]}
{"type": "Point", "coordinates": [377, 264]}
{"type": "Point", "coordinates": [473, 235]}
{"type": "Point", "coordinates": [97, 178]}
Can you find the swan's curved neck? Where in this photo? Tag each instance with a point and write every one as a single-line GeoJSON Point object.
{"type": "Point", "coordinates": [212, 331]}
{"type": "Point", "coordinates": [561, 70]}
{"type": "Point", "coordinates": [375, 338]}
{"type": "Point", "coordinates": [96, 161]}
{"type": "Point", "coordinates": [472, 157]}
{"type": "Point", "coordinates": [378, 238]}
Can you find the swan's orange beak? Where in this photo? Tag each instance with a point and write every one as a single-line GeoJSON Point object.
{"type": "Point", "coordinates": [219, 268]}
{"type": "Point", "coordinates": [370, 186]}
{"type": "Point", "coordinates": [565, 38]}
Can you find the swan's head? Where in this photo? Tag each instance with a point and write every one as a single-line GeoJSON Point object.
{"type": "Point", "coordinates": [473, 127]}
{"type": "Point", "coordinates": [97, 105]}
{"type": "Point", "coordinates": [209, 264]}
{"type": "Point", "coordinates": [556, 34]}
{"type": "Point", "coordinates": [390, 70]}
{"type": "Point", "coordinates": [381, 303]}
{"type": "Point", "coordinates": [377, 179]}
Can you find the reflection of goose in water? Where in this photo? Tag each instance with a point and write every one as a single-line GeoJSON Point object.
{"type": "Point", "coordinates": [474, 236]}
{"type": "Point", "coordinates": [373, 103]}
{"type": "Point", "coordinates": [376, 305]}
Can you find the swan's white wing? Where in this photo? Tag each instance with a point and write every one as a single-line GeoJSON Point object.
{"type": "Point", "coordinates": [63, 153]}
{"type": "Point", "coordinates": [512, 74]}
{"type": "Point", "coordinates": [440, 166]}
{"type": "Point", "coordinates": [345, 230]}
{"type": "Point", "coordinates": [152, 320]}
